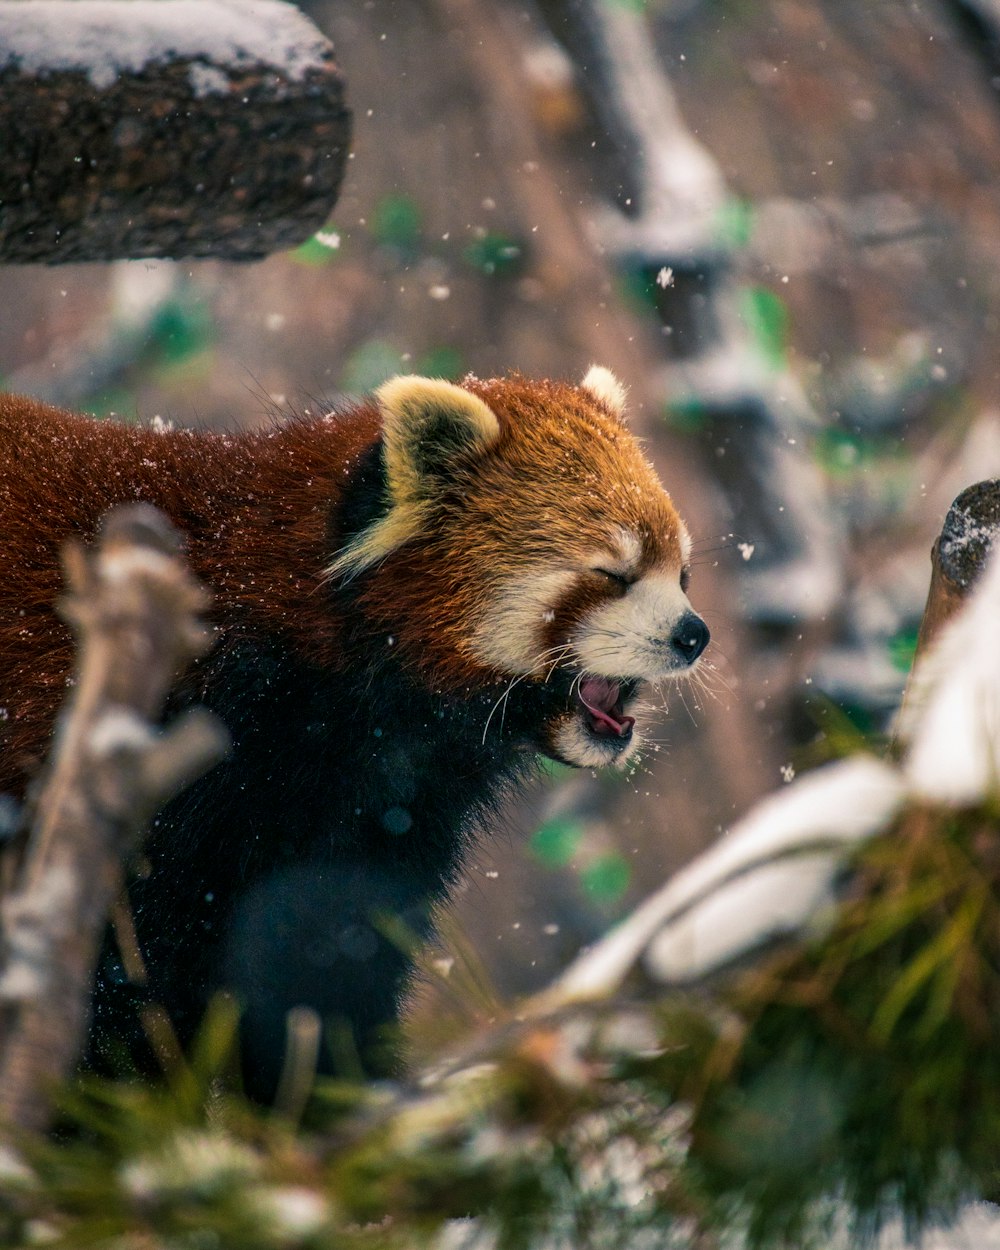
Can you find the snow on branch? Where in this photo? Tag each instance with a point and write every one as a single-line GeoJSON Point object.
{"type": "Point", "coordinates": [671, 234]}
{"type": "Point", "coordinates": [173, 128]}
{"type": "Point", "coordinates": [951, 717]}
{"type": "Point", "coordinates": [133, 606]}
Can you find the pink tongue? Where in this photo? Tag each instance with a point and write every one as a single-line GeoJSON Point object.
{"type": "Point", "coordinates": [599, 695]}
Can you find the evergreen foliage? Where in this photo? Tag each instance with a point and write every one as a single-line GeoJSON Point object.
{"type": "Point", "coordinates": [850, 1078]}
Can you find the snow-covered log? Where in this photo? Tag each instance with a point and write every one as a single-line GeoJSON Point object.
{"type": "Point", "coordinates": [180, 128]}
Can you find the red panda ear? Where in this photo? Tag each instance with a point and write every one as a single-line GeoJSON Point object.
{"type": "Point", "coordinates": [427, 424]}
{"type": "Point", "coordinates": [606, 388]}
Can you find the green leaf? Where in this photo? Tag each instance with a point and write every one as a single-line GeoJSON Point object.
{"type": "Point", "coordinates": [686, 413]}
{"type": "Point", "coordinates": [321, 249]}
{"type": "Point", "coordinates": [557, 841]}
{"type": "Point", "coordinates": [734, 223]}
{"type": "Point", "coordinates": [903, 648]}
{"type": "Point", "coordinates": [496, 255]}
{"type": "Point", "coordinates": [396, 222]}
{"type": "Point", "coordinates": [181, 329]}
{"type": "Point", "coordinates": [441, 362]}
{"type": "Point", "coordinates": [371, 365]}
{"type": "Point", "coordinates": [766, 318]}
{"type": "Point", "coordinates": [607, 878]}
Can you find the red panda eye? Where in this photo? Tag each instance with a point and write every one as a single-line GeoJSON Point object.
{"type": "Point", "coordinates": [618, 579]}
{"type": "Point", "coordinates": [685, 578]}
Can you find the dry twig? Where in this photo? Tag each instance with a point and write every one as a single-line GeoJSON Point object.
{"type": "Point", "coordinates": [133, 605]}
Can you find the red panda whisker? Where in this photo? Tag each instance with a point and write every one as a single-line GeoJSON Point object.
{"type": "Point", "coordinates": [562, 651]}
{"type": "Point", "coordinates": [708, 675]}
{"type": "Point", "coordinates": [502, 702]}
{"type": "Point", "coordinates": [559, 652]}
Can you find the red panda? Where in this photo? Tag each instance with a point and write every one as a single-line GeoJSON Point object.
{"type": "Point", "coordinates": [413, 598]}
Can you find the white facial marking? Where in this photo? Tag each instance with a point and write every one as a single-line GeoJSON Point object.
{"type": "Point", "coordinates": [631, 549]}
{"type": "Point", "coordinates": [629, 637]}
{"type": "Point", "coordinates": [685, 538]}
{"type": "Point", "coordinates": [509, 635]}
{"type": "Point", "coordinates": [576, 746]}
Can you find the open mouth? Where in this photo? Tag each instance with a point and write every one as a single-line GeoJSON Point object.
{"type": "Point", "coordinates": [603, 705]}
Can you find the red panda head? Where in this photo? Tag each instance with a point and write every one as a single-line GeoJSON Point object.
{"type": "Point", "coordinates": [525, 540]}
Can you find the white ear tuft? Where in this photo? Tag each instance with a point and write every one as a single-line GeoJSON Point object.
{"type": "Point", "coordinates": [604, 386]}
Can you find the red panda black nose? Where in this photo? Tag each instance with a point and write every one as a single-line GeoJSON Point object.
{"type": "Point", "coordinates": [690, 637]}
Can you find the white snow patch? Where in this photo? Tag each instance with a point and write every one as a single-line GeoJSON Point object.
{"type": "Point", "coordinates": [290, 1211]}
{"type": "Point", "coordinates": [783, 897]}
{"type": "Point", "coordinates": [207, 80]}
{"type": "Point", "coordinates": [32, 921]}
{"type": "Point", "coordinates": [118, 729]}
{"type": "Point", "coordinates": [191, 1157]}
{"type": "Point", "coordinates": [820, 816]}
{"type": "Point", "coordinates": [952, 714]}
{"type": "Point", "coordinates": [135, 561]}
{"type": "Point", "coordinates": [108, 38]}
{"type": "Point", "coordinates": [13, 1169]}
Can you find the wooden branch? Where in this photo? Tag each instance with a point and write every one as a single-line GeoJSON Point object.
{"type": "Point", "coordinates": [959, 554]}
{"type": "Point", "coordinates": [175, 128]}
{"type": "Point", "coordinates": [133, 605]}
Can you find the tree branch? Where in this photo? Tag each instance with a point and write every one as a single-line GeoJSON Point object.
{"type": "Point", "coordinates": [133, 605]}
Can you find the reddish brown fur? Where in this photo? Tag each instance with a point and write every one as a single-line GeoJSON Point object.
{"type": "Point", "coordinates": [559, 450]}
{"type": "Point", "coordinates": [256, 509]}
{"type": "Point", "coordinates": [271, 874]}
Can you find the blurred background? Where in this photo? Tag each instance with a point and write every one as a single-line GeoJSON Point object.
{"type": "Point", "coordinates": [778, 221]}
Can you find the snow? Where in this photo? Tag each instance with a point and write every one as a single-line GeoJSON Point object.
{"type": "Point", "coordinates": [779, 898]}
{"type": "Point", "coordinates": [771, 874]}
{"type": "Point", "coordinates": [776, 872]}
{"type": "Point", "coordinates": [134, 561]}
{"type": "Point", "coordinates": [32, 921]}
{"type": "Point", "coordinates": [290, 1211]}
{"type": "Point", "coordinates": [108, 38]}
{"type": "Point", "coordinates": [191, 1157]}
{"type": "Point", "coordinates": [118, 729]}
{"type": "Point", "coordinates": [952, 714]}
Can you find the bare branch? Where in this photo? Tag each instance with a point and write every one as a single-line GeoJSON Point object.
{"type": "Point", "coordinates": [133, 605]}
{"type": "Point", "coordinates": [958, 557]}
